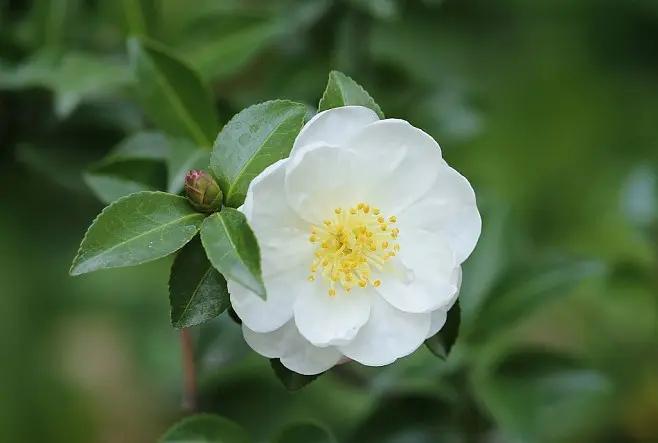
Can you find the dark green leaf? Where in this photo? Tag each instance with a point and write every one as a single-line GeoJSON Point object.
{"type": "Point", "coordinates": [205, 428]}
{"type": "Point", "coordinates": [254, 139]}
{"type": "Point", "coordinates": [232, 248]}
{"type": "Point", "coordinates": [197, 292]}
{"type": "Point", "coordinates": [441, 343]}
{"type": "Point", "coordinates": [532, 389]}
{"type": "Point", "coordinates": [290, 379]}
{"type": "Point", "coordinates": [136, 229]}
{"type": "Point", "coordinates": [305, 433]}
{"type": "Point", "coordinates": [172, 93]}
{"type": "Point", "coordinates": [343, 91]}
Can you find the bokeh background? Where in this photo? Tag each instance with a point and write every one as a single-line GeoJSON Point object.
{"type": "Point", "coordinates": [549, 107]}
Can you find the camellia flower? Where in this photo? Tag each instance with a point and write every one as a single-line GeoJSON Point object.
{"type": "Point", "coordinates": [362, 231]}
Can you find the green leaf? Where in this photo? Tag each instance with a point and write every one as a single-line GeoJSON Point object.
{"type": "Point", "coordinates": [305, 433]}
{"type": "Point", "coordinates": [526, 288]}
{"type": "Point", "coordinates": [136, 229]}
{"type": "Point", "coordinates": [232, 248]}
{"type": "Point", "coordinates": [343, 91]}
{"type": "Point", "coordinates": [136, 164]}
{"type": "Point", "coordinates": [254, 139]}
{"type": "Point", "coordinates": [230, 42]}
{"type": "Point", "coordinates": [441, 342]}
{"type": "Point", "coordinates": [197, 292]}
{"type": "Point", "coordinates": [138, 16]}
{"type": "Point", "coordinates": [172, 93]}
{"type": "Point", "coordinates": [73, 78]}
{"type": "Point", "coordinates": [206, 428]}
{"type": "Point", "coordinates": [538, 392]}
{"type": "Point", "coordinates": [290, 379]}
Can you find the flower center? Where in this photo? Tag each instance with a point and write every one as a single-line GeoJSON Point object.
{"type": "Point", "coordinates": [351, 245]}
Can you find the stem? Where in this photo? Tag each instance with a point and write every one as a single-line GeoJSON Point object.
{"type": "Point", "coordinates": [189, 371]}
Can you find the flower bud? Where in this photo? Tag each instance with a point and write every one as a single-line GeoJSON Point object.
{"type": "Point", "coordinates": [202, 191]}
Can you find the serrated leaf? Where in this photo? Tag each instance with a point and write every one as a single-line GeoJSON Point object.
{"type": "Point", "coordinates": [197, 292]}
{"type": "Point", "coordinates": [232, 248]}
{"type": "Point", "coordinates": [305, 433]}
{"type": "Point", "coordinates": [254, 139]}
{"type": "Point", "coordinates": [441, 343]}
{"type": "Point", "coordinates": [136, 229]}
{"type": "Point", "coordinates": [172, 93]}
{"type": "Point", "coordinates": [341, 90]}
{"type": "Point", "coordinates": [206, 428]}
{"type": "Point", "coordinates": [290, 379]}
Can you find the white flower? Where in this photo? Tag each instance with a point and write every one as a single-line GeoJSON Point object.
{"type": "Point", "coordinates": [362, 232]}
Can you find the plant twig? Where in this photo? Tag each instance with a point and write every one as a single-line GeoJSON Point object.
{"type": "Point", "coordinates": [189, 371]}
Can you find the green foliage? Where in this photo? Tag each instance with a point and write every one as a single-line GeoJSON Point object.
{"type": "Point", "coordinates": [136, 229]}
{"type": "Point", "coordinates": [441, 343]}
{"type": "Point", "coordinates": [343, 91]}
{"type": "Point", "coordinates": [232, 248]}
{"type": "Point", "coordinates": [546, 140]}
{"type": "Point", "coordinates": [172, 94]}
{"type": "Point", "coordinates": [197, 292]}
{"type": "Point", "coordinates": [206, 428]}
{"type": "Point", "coordinates": [254, 139]}
{"type": "Point", "coordinates": [531, 389]}
{"type": "Point", "coordinates": [304, 433]}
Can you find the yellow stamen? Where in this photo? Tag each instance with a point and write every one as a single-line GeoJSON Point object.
{"type": "Point", "coordinates": [351, 245]}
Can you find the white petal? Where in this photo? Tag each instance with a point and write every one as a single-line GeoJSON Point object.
{"type": "Point", "coordinates": [267, 315]}
{"type": "Point", "coordinates": [448, 207]}
{"type": "Point", "coordinates": [295, 353]}
{"type": "Point", "coordinates": [439, 317]}
{"type": "Point", "coordinates": [324, 320]}
{"type": "Point", "coordinates": [388, 335]}
{"type": "Point", "coordinates": [282, 235]}
{"type": "Point", "coordinates": [274, 344]}
{"type": "Point", "coordinates": [320, 178]}
{"type": "Point", "coordinates": [421, 280]}
{"type": "Point", "coordinates": [437, 320]}
{"type": "Point", "coordinates": [399, 163]}
{"type": "Point", "coordinates": [334, 126]}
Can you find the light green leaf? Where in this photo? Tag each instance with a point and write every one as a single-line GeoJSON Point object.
{"type": "Point", "coordinates": [138, 15]}
{"type": "Point", "coordinates": [525, 289]}
{"type": "Point", "coordinates": [343, 91]}
{"type": "Point", "coordinates": [254, 139]}
{"type": "Point", "coordinates": [136, 229]}
{"type": "Point", "coordinates": [231, 41]}
{"type": "Point", "coordinates": [441, 343]}
{"type": "Point", "coordinates": [136, 164]}
{"type": "Point", "coordinates": [197, 292]}
{"type": "Point", "coordinates": [305, 433]}
{"type": "Point", "coordinates": [172, 93]}
{"type": "Point", "coordinates": [529, 390]}
{"type": "Point", "coordinates": [205, 428]}
{"type": "Point", "coordinates": [290, 379]}
{"type": "Point", "coordinates": [232, 248]}
{"type": "Point", "coordinates": [73, 78]}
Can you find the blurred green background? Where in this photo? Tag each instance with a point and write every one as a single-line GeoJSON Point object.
{"type": "Point", "coordinates": [549, 107]}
